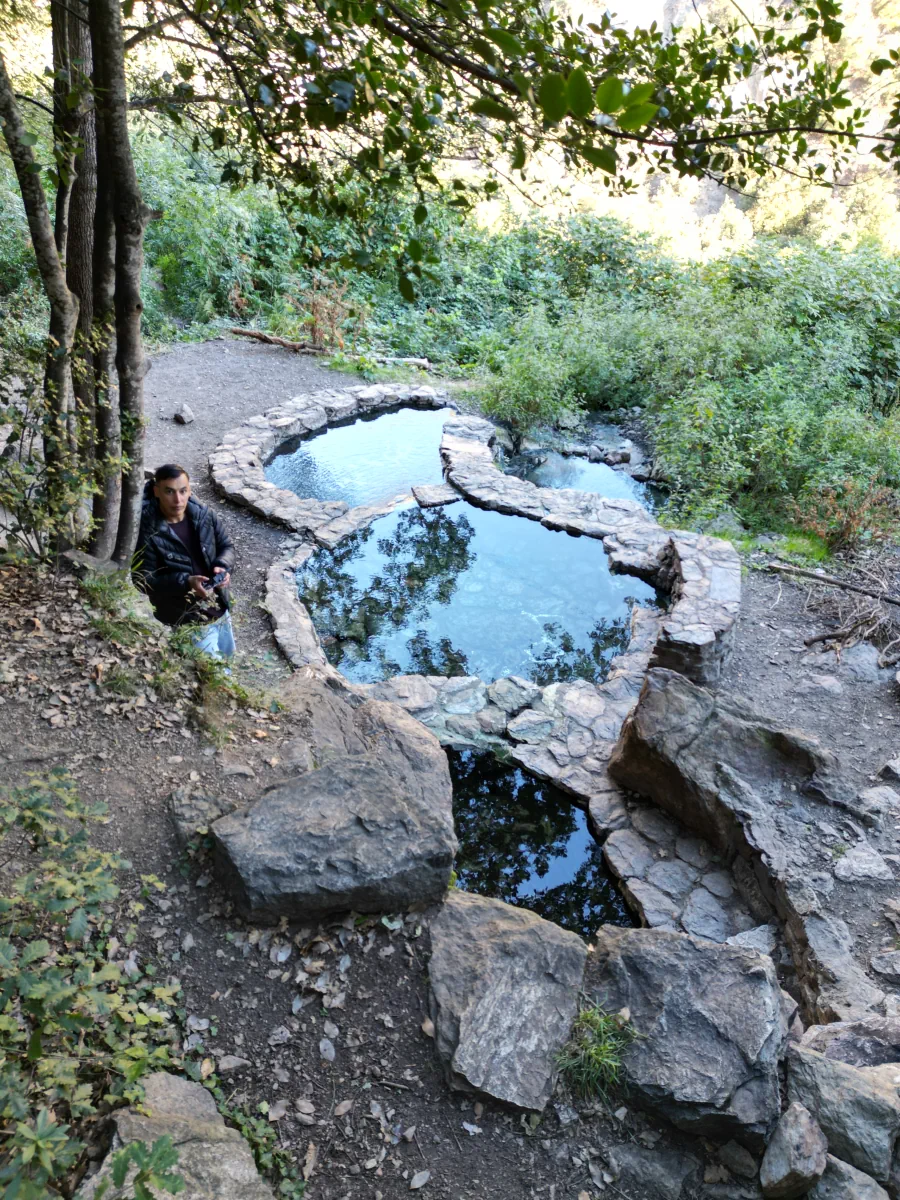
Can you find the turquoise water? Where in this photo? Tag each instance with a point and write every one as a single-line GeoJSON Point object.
{"type": "Point", "coordinates": [462, 591]}
{"type": "Point", "coordinates": [368, 461]}
{"type": "Point", "coordinates": [524, 842]}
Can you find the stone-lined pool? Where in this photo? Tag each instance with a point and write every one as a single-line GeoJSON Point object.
{"type": "Point", "coordinates": [365, 462]}
{"type": "Point", "coordinates": [525, 842]}
{"type": "Point", "coordinates": [460, 590]}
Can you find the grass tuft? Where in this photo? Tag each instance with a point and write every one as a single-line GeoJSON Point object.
{"type": "Point", "coordinates": [591, 1061]}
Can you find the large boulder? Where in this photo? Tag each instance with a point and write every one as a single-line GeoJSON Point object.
{"type": "Point", "coordinates": [504, 994]}
{"type": "Point", "coordinates": [214, 1161]}
{"type": "Point", "coordinates": [368, 827]}
{"type": "Point", "coordinates": [754, 790]}
{"type": "Point", "coordinates": [858, 1108]}
{"type": "Point", "coordinates": [711, 1025]}
{"type": "Point", "coordinates": [795, 1157]}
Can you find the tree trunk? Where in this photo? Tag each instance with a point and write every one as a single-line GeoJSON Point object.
{"type": "Point", "coordinates": [63, 305]}
{"type": "Point", "coordinates": [80, 248]}
{"type": "Point", "coordinates": [130, 216]}
{"type": "Point", "coordinates": [108, 446]}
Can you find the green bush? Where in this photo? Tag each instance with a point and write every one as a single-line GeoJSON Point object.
{"type": "Point", "coordinates": [76, 1034]}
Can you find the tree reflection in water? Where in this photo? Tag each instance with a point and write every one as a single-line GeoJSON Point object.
{"type": "Point", "coordinates": [524, 842]}
{"type": "Point", "coordinates": [410, 594]}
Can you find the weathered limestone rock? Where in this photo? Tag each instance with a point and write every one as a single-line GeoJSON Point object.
{"type": "Point", "coordinates": [435, 495]}
{"type": "Point", "coordinates": [214, 1161]}
{"type": "Point", "coordinates": [843, 1182]}
{"type": "Point", "coordinates": [795, 1156]}
{"type": "Point", "coordinates": [887, 965]}
{"type": "Point", "coordinates": [184, 414]}
{"type": "Point", "coordinates": [512, 694]}
{"type": "Point", "coordinates": [871, 1041]}
{"type": "Point", "coordinates": [737, 778]}
{"type": "Point", "coordinates": [862, 862]}
{"type": "Point", "coordinates": [858, 1110]}
{"type": "Point", "coordinates": [370, 827]}
{"type": "Point", "coordinates": [712, 1029]}
{"type": "Point", "coordinates": [504, 994]}
{"type": "Point", "coordinates": [659, 1172]}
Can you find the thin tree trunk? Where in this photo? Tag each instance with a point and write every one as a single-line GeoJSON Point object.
{"type": "Point", "coordinates": [63, 123]}
{"type": "Point", "coordinates": [108, 449]}
{"type": "Point", "coordinates": [79, 257]}
{"type": "Point", "coordinates": [130, 218]}
{"type": "Point", "coordinates": [63, 305]}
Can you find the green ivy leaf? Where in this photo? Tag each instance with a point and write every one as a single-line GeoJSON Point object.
{"type": "Point", "coordinates": [610, 96]}
{"type": "Point", "coordinates": [880, 65]}
{"type": "Point", "coordinates": [553, 97]}
{"type": "Point", "coordinates": [603, 157]}
{"type": "Point", "coordinates": [636, 118]}
{"type": "Point", "coordinates": [505, 40]}
{"type": "Point", "coordinates": [640, 93]}
{"type": "Point", "coordinates": [407, 291]}
{"type": "Point", "coordinates": [421, 214]}
{"type": "Point", "coordinates": [29, 139]}
{"type": "Point", "coordinates": [486, 107]}
{"type": "Point", "coordinates": [415, 250]}
{"type": "Point", "coordinates": [578, 90]}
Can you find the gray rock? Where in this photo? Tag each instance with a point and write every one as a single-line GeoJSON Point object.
{"type": "Point", "coordinates": [193, 812]}
{"type": "Point", "coordinates": [795, 1156]}
{"type": "Point", "coordinates": [820, 683]}
{"type": "Point", "coordinates": [370, 829]}
{"type": "Point", "coordinates": [891, 771]}
{"type": "Point", "coordinates": [530, 726]}
{"type": "Point", "coordinates": [183, 414]}
{"type": "Point", "coordinates": [434, 496]}
{"type": "Point", "coordinates": [887, 965]}
{"type": "Point", "coordinates": [711, 1024]}
{"type": "Point", "coordinates": [704, 916]}
{"type": "Point", "coordinates": [762, 938]}
{"type": "Point", "coordinates": [694, 851]}
{"type": "Point", "coordinates": [214, 1161]}
{"type": "Point", "coordinates": [870, 1041]}
{"type": "Point", "coordinates": [654, 825]}
{"type": "Point", "coordinates": [672, 876]}
{"type": "Point", "coordinates": [738, 1160]}
{"type": "Point", "coordinates": [843, 1182]}
{"type": "Point", "coordinates": [658, 1173]}
{"type": "Point", "coordinates": [861, 863]}
{"type": "Point", "coordinates": [512, 694]}
{"type": "Point", "coordinates": [875, 803]}
{"type": "Point", "coordinates": [628, 854]}
{"type": "Point", "coordinates": [859, 1112]}
{"type": "Point", "coordinates": [504, 993]}
{"type": "Point", "coordinates": [719, 883]}
{"type": "Point", "coordinates": [655, 908]}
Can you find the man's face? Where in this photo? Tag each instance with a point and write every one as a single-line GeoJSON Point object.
{"type": "Point", "coordinates": [173, 496]}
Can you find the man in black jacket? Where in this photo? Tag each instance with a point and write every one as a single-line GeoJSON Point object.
{"type": "Point", "coordinates": [184, 560]}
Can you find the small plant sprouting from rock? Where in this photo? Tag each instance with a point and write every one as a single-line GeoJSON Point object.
{"type": "Point", "coordinates": [592, 1059]}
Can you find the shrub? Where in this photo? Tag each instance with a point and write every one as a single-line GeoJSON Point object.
{"type": "Point", "coordinates": [76, 1034]}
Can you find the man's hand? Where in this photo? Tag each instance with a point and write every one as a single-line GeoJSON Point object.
{"type": "Point", "coordinates": [225, 582]}
{"type": "Point", "coordinates": [198, 586]}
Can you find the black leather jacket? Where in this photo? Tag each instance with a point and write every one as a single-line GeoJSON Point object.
{"type": "Point", "coordinates": [162, 564]}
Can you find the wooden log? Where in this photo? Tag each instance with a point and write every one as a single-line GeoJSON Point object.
{"type": "Point", "coordinates": [270, 339]}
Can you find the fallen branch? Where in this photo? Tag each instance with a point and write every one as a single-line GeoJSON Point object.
{"type": "Point", "coordinates": [833, 581]}
{"type": "Point", "coordinates": [271, 340]}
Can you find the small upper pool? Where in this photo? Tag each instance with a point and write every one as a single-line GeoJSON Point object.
{"type": "Point", "coordinates": [550, 469]}
{"type": "Point", "coordinates": [365, 462]}
{"type": "Point", "coordinates": [525, 842]}
{"type": "Point", "coordinates": [463, 591]}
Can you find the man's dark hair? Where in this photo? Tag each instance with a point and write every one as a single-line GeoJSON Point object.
{"type": "Point", "coordinates": [169, 471]}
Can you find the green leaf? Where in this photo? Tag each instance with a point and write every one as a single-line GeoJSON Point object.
{"type": "Point", "coordinates": [880, 65]}
{"type": "Point", "coordinates": [507, 43]}
{"type": "Point", "coordinates": [578, 89]}
{"type": "Point", "coordinates": [415, 250]}
{"type": "Point", "coordinates": [29, 139]}
{"type": "Point", "coordinates": [636, 118]}
{"type": "Point", "coordinates": [603, 157]}
{"type": "Point", "coordinates": [407, 291]}
{"type": "Point", "coordinates": [638, 94]}
{"type": "Point", "coordinates": [553, 97]}
{"type": "Point", "coordinates": [610, 95]}
{"type": "Point", "coordinates": [35, 1046]}
{"type": "Point", "coordinates": [486, 107]}
{"type": "Point", "coordinates": [519, 155]}
{"type": "Point", "coordinates": [421, 214]}
{"type": "Point", "coordinates": [78, 926]}
{"type": "Point", "coordinates": [33, 951]}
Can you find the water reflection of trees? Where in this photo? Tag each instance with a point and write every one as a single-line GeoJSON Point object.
{"type": "Point", "coordinates": [510, 827]}
{"type": "Point", "coordinates": [423, 559]}
{"type": "Point", "coordinates": [558, 660]}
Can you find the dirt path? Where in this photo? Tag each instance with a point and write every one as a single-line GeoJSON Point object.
{"type": "Point", "coordinates": [224, 382]}
{"type": "Point", "coordinates": [132, 750]}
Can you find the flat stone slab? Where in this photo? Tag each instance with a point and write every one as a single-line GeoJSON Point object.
{"type": "Point", "coordinates": [215, 1162]}
{"type": "Point", "coordinates": [504, 994]}
{"type": "Point", "coordinates": [435, 495]}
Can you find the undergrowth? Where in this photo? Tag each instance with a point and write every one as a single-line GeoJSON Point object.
{"type": "Point", "coordinates": [591, 1061]}
{"type": "Point", "coordinates": [76, 1033]}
